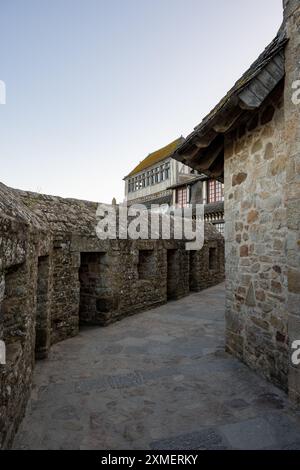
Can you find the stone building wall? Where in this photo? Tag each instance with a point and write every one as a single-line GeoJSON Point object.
{"type": "Point", "coordinates": [256, 229]}
{"type": "Point", "coordinates": [292, 187]}
{"type": "Point", "coordinates": [262, 188]}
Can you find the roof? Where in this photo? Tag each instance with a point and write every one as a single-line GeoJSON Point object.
{"type": "Point", "coordinates": [157, 156]}
{"type": "Point", "coordinates": [213, 207]}
{"type": "Point", "coordinates": [247, 95]}
{"type": "Point", "coordinates": [159, 200]}
{"type": "Point", "coordinates": [189, 181]}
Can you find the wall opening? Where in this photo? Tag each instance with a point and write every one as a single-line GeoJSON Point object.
{"type": "Point", "coordinates": [172, 273]}
{"type": "Point", "coordinates": [42, 326]}
{"type": "Point", "coordinates": [146, 264]}
{"type": "Point", "coordinates": [96, 300]}
{"type": "Point", "coordinates": [212, 259]}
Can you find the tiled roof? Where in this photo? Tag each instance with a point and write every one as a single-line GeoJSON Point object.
{"type": "Point", "coordinates": [157, 156]}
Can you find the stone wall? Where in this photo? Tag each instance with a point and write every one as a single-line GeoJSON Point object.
{"type": "Point", "coordinates": [103, 281]}
{"type": "Point", "coordinates": [255, 169]}
{"type": "Point", "coordinates": [262, 187]}
{"type": "Point", "coordinates": [22, 240]}
{"type": "Point", "coordinates": [55, 275]}
{"type": "Point", "coordinates": [207, 266]}
{"type": "Point", "coordinates": [44, 293]}
{"type": "Point", "coordinates": [66, 288]}
{"type": "Point", "coordinates": [292, 188]}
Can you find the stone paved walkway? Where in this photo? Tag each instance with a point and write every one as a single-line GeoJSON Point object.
{"type": "Point", "coordinates": [157, 380]}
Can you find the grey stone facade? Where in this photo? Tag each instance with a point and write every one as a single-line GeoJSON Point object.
{"type": "Point", "coordinates": [255, 166]}
{"type": "Point", "coordinates": [292, 184]}
{"type": "Point", "coordinates": [262, 209]}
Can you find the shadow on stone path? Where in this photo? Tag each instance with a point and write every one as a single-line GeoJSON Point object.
{"type": "Point", "coordinates": [156, 380]}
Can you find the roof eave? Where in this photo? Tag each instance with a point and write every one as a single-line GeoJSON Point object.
{"type": "Point", "coordinates": [246, 96]}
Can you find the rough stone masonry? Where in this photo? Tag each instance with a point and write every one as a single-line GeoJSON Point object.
{"type": "Point", "coordinates": [251, 142]}
{"type": "Point", "coordinates": [262, 204]}
{"type": "Point", "coordinates": [56, 274]}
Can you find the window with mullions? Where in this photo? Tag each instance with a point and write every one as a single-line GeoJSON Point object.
{"type": "Point", "coordinates": [181, 197]}
{"type": "Point", "coordinates": [220, 227]}
{"type": "Point", "coordinates": [143, 180]}
{"type": "Point", "coordinates": [167, 171]}
{"type": "Point", "coordinates": [215, 191]}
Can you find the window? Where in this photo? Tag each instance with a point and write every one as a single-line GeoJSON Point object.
{"type": "Point", "coordinates": [152, 176]}
{"type": "Point", "coordinates": [167, 171]}
{"type": "Point", "coordinates": [181, 197]}
{"type": "Point", "coordinates": [220, 227]}
{"type": "Point", "coordinates": [215, 191]}
{"type": "Point", "coordinates": [131, 186]}
{"type": "Point", "coordinates": [162, 173]}
{"type": "Point", "coordinates": [139, 182]}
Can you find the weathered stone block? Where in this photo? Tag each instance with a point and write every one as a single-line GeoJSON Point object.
{"type": "Point", "coordinates": [257, 146]}
{"type": "Point", "coordinates": [252, 216]}
{"type": "Point", "coordinates": [239, 178]}
{"type": "Point", "coordinates": [269, 152]}
{"type": "Point", "coordinates": [244, 251]}
{"type": "Point", "coordinates": [294, 281]}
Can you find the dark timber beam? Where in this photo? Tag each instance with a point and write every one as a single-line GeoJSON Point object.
{"type": "Point", "coordinates": [207, 157]}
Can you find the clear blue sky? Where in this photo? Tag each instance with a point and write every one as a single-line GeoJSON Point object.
{"type": "Point", "coordinates": [93, 86]}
